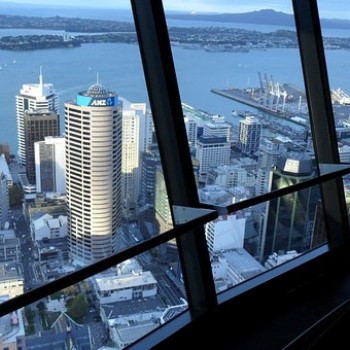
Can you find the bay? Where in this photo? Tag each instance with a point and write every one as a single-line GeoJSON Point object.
{"type": "Point", "coordinates": [119, 68]}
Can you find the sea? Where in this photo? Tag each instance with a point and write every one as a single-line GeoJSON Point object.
{"type": "Point", "coordinates": [118, 67]}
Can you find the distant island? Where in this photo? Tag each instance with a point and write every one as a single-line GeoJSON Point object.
{"type": "Point", "coordinates": [85, 25]}
{"type": "Point", "coordinates": [211, 39]}
{"type": "Point", "coordinates": [263, 17]}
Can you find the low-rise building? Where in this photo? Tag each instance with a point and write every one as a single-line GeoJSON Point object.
{"type": "Point", "coordinates": [111, 289]}
{"type": "Point", "coordinates": [48, 227]}
{"type": "Point", "coordinates": [12, 332]}
{"type": "Point", "coordinates": [11, 279]}
{"type": "Point", "coordinates": [9, 246]}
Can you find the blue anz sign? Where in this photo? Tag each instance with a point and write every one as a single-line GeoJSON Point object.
{"type": "Point", "coordinates": [97, 101]}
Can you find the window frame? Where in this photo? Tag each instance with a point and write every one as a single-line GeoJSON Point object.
{"type": "Point", "coordinates": [166, 108]}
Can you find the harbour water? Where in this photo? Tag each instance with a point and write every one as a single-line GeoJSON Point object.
{"type": "Point", "coordinates": [119, 69]}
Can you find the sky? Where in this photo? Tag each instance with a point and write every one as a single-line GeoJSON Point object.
{"type": "Point", "coordinates": [327, 8]}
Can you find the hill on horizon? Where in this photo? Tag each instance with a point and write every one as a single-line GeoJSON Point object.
{"type": "Point", "coordinates": [260, 17]}
{"type": "Point", "coordinates": [263, 17]}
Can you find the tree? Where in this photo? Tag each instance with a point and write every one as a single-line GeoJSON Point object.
{"type": "Point", "coordinates": [78, 308]}
{"type": "Point", "coordinates": [15, 195]}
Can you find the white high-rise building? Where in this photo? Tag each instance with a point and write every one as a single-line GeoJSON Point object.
{"type": "Point", "coordinates": [191, 130]}
{"type": "Point", "coordinates": [249, 134]}
{"type": "Point", "coordinates": [33, 97]}
{"type": "Point", "coordinates": [212, 152]}
{"type": "Point", "coordinates": [217, 127]}
{"type": "Point", "coordinates": [50, 164]}
{"type": "Point", "coordinates": [136, 137]}
{"type": "Point", "coordinates": [93, 131]}
{"type": "Point", "coordinates": [226, 232]}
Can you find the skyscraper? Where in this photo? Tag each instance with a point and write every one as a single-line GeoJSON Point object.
{"type": "Point", "coordinates": [290, 219]}
{"type": "Point", "coordinates": [210, 153]}
{"type": "Point", "coordinates": [268, 152]}
{"type": "Point", "coordinates": [93, 131]}
{"type": "Point", "coordinates": [33, 97]}
{"type": "Point", "coordinates": [136, 137]}
{"type": "Point", "coordinates": [218, 127]}
{"type": "Point", "coordinates": [4, 200]}
{"type": "Point", "coordinates": [249, 135]}
{"type": "Point", "coordinates": [37, 125]}
{"type": "Point", "coordinates": [50, 165]}
{"type": "Point", "coordinates": [150, 161]}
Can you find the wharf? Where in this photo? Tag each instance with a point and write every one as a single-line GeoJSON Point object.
{"type": "Point", "coordinates": [239, 96]}
{"type": "Point", "coordinates": [290, 109]}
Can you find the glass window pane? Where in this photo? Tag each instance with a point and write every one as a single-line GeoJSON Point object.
{"type": "Point", "coordinates": [243, 244]}
{"type": "Point", "coordinates": [335, 29]}
{"type": "Point", "coordinates": [247, 121]}
{"type": "Point", "coordinates": [242, 90]}
{"type": "Point", "coordinates": [113, 308]}
{"type": "Point", "coordinates": [81, 176]}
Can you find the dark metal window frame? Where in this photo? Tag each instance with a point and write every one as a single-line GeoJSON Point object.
{"type": "Point", "coordinates": [166, 108]}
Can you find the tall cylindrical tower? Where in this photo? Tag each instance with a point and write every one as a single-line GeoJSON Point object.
{"type": "Point", "coordinates": [93, 173]}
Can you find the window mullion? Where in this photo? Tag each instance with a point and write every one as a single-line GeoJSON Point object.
{"type": "Point", "coordinates": [173, 145]}
{"type": "Point", "coordinates": [321, 115]}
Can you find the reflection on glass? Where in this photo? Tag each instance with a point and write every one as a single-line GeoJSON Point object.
{"type": "Point", "coordinates": [113, 308]}
{"type": "Point", "coordinates": [335, 32]}
{"type": "Point", "coordinates": [248, 129]}
{"type": "Point", "coordinates": [244, 244]}
{"type": "Point", "coordinates": [335, 28]}
{"type": "Point", "coordinates": [80, 171]}
{"type": "Point", "coordinates": [243, 95]}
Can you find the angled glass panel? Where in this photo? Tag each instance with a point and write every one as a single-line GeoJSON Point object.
{"type": "Point", "coordinates": [113, 308]}
{"type": "Point", "coordinates": [335, 28]}
{"type": "Point", "coordinates": [245, 109]}
{"type": "Point", "coordinates": [80, 171]}
{"type": "Point", "coordinates": [242, 89]}
{"type": "Point", "coordinates": [244, 245]}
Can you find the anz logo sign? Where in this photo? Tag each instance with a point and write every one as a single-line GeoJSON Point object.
{"type": "Point", "coordinates": [102, 102]}
{"type": "Point", "coordinates": [97, 102]}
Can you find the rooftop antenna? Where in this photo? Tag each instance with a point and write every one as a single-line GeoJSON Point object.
{"type": "Point", "coordinates": [41, 85]}
{"type": "Point", "coordinates": [97, 78]}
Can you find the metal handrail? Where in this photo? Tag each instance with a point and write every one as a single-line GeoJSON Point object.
{"type": "Point", "coordinates": [43, 291]}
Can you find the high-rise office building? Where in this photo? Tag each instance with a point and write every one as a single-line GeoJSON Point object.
{"type": "Point", "coordinates": [162, 206]}
{"type": "Point", "coordinates": [37, 125]}
{"type": "Point", "coordinates": [4, 200]}
{"type": "Point", "coordinates": [268, 153]}
{"type": "Point", "coordinates": [217, 127]}
{"type": "Point", "coordinates": [290, 218]}
{"type": "Point", "coordinates": [93, 132]}
{"type": "Point", "coordinates": [249, 135]}
{"type": "Point", "coordinates": [33, 97]}
{"type": "Point", "coordinates": [50, 165]}
{"type": "Point", "coordinates": [226, 232]}
{"type": "Point", "coordinates": [210, 153]}
{"type": "Point", "coordinates": [136, 137]}
{"type": "Point", "coordinates": [191, 130]}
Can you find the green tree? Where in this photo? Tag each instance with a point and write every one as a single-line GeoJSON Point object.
{"type": "Point", "coordinates": [71, 290]}
{"type": "Point", "coordinates": [15, 195]}
{"type": "Point", "coordinates": [77, 308]}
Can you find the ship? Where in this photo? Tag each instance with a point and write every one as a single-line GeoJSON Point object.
{"type": "Point", "coordinates": [225, 48]}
